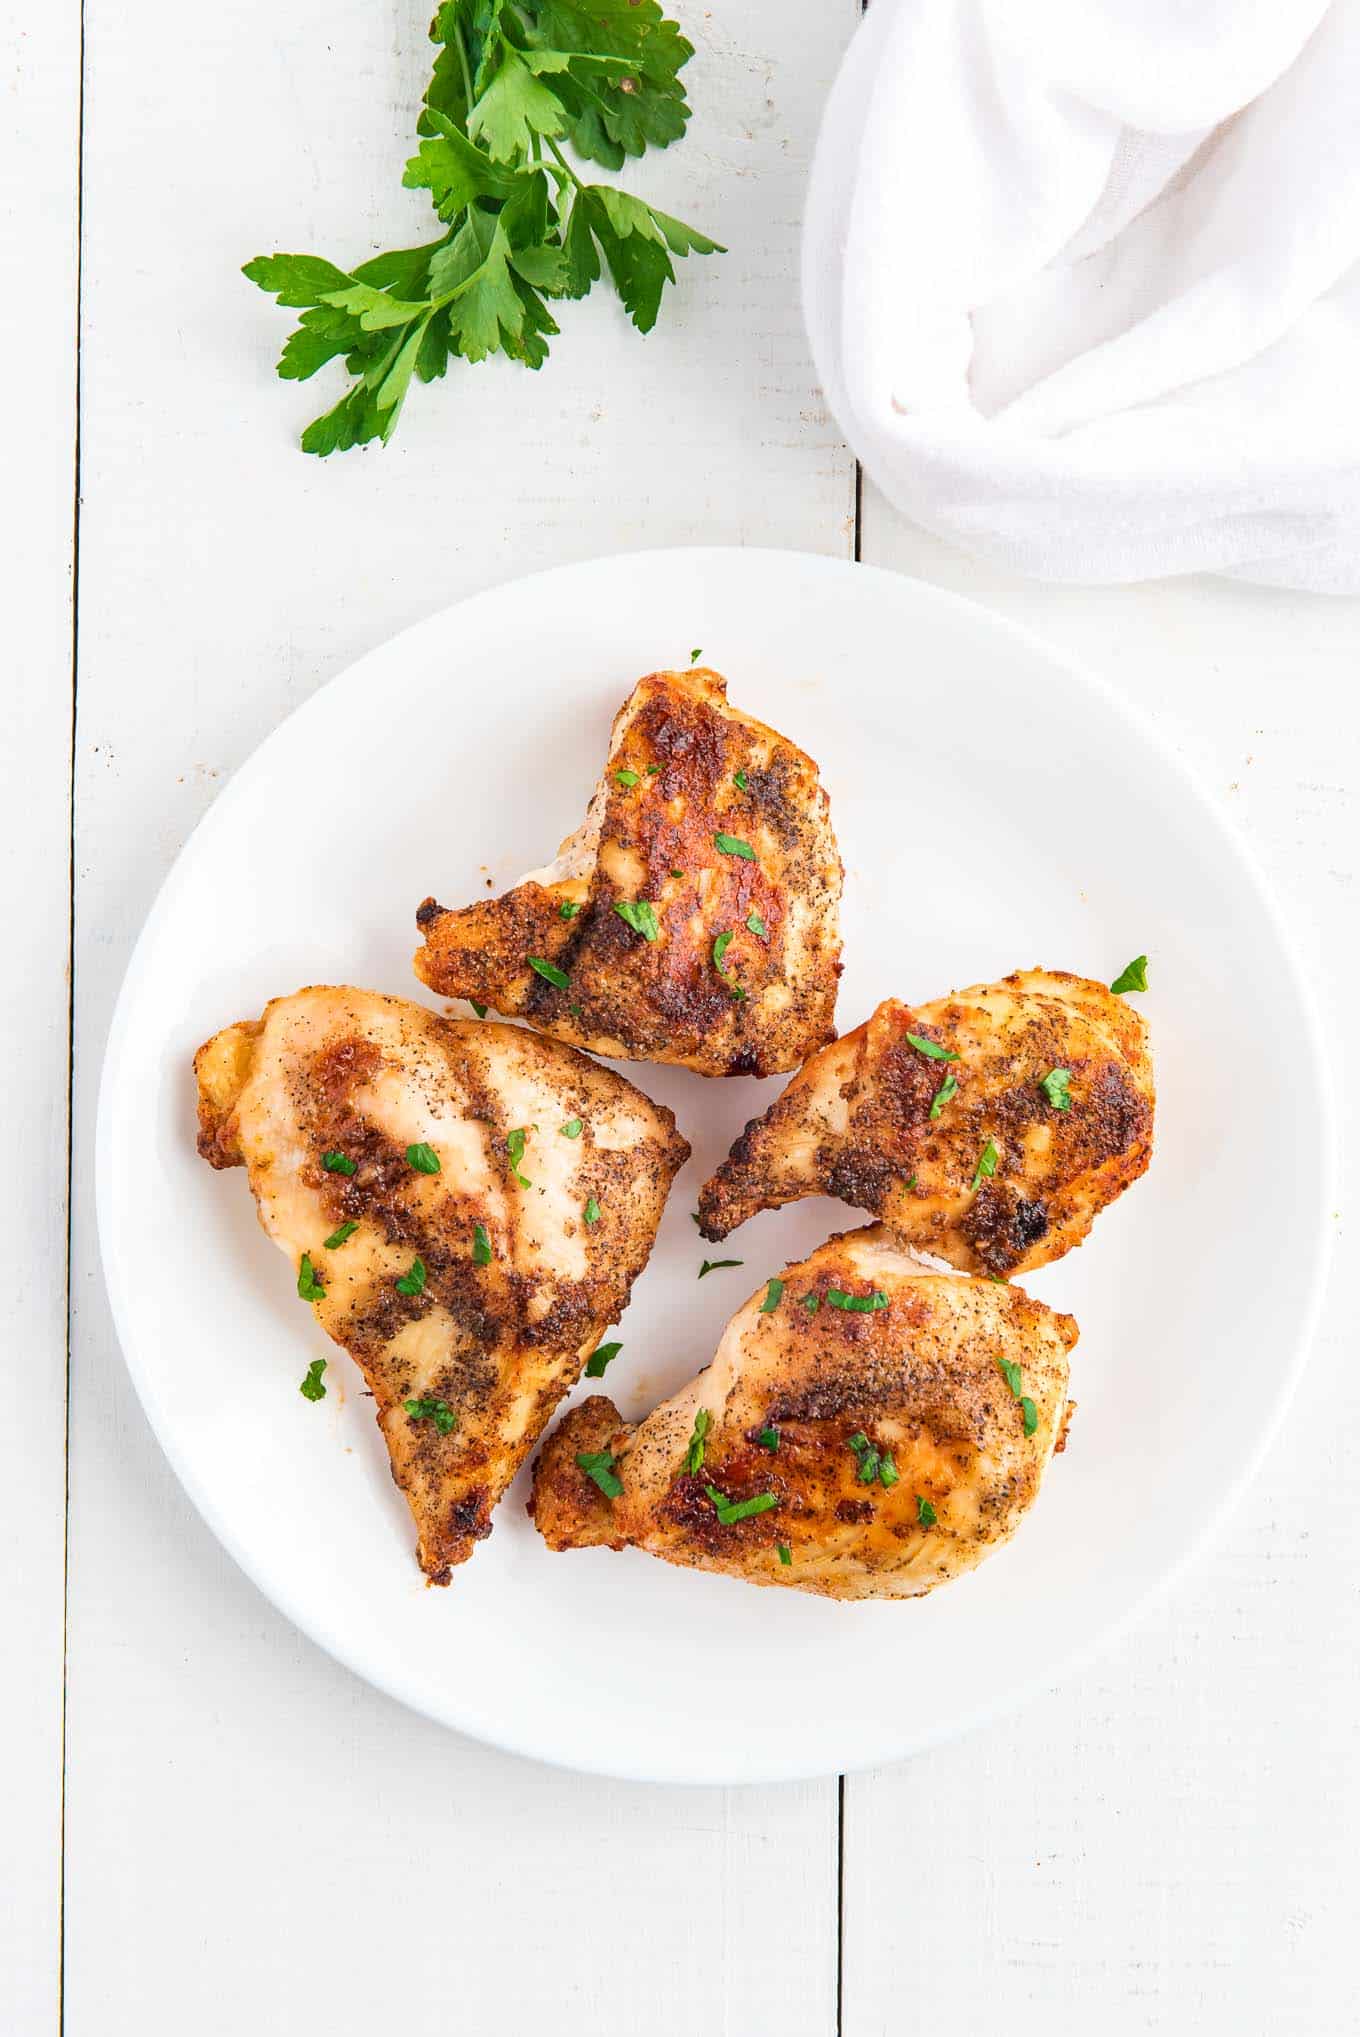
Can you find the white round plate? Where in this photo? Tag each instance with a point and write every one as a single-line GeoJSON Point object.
{"type": "Point", "coordinates": [995, 810]}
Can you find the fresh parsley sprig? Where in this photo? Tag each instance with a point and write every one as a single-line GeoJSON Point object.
{"type": "Point", "coordinates": [511, 83]}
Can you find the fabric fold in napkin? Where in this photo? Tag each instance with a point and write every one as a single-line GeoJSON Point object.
{"type": "Point", "coordinates": [1082, 281]}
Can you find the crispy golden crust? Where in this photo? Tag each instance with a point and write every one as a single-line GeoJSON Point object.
{"type": "Point", "coordinates": [672, 784]}
{"type": "Point", "coordinates": [566, 1224]}
{"type": "Point", "coordinates": [856, 1123]}
{"type": "Point", "coordinates": [914, 1384]}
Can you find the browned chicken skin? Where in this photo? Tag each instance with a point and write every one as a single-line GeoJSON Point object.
{"type": "Point", "coordinates": [713, 834]}
{"type": "Point", "coordinates": [465, 1249]}
{"type": "Point", "coordinates": [963, 1151]}
{"type": "Point", "coordinates": [889, 1445]}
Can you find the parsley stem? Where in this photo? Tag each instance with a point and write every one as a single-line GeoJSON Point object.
{"type": "Point", "coordinates": [564, 163]}
{"type": "Point", "coordinates": [463, 64]}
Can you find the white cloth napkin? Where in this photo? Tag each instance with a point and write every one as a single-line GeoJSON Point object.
{"type": "Point", "coordinates": [1082, 279]}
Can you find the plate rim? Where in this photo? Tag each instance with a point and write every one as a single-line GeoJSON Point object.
{"type": "Point", "coordinates": [1103, 1636]}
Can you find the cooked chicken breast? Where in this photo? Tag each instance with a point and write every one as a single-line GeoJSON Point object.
{"type": "Point", "coordinates": [867, 1429]}
{"type": "Point", "coordinates": [693, 918]}
{"type": "Point", "coordinates": [988, 1128]}
{"type": "Point", "coordinates": [466, 1208]}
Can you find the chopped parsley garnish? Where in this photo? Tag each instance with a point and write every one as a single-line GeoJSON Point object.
{"type": "Point", "coordinates": [872, 1464]}
{"type": "Point", "coordinates": [600, 1466]}
{"type": "Point", "coordinates": [339, 1163]}
{"type": "Point", "coordinates": [986, 1165]}
{"type": "Point", "coordinates": [311, 1387]}
{"type": "Point", "coordinates": [774, 1290]}
{"type": "Point", "coordinates": [856, 1304]}
{"type": "Point", "coordinates": [338, 1237]}
{"type": "Point", "coordinates": [713, 1265]}
{"type": "Point", "coordinates": [568, 909]}
{"type": "Point", "coordinates": [730, 1511]}
{"type": "Point", "coordinates": [597, 1361]}
{"type": "Point", "coordinates": [437, 1411]}
{"type": "Point", "coordinates": [694, 1451]}
{"type": "Point", "coordinates": [720, 948]}
{"type": "Point", "coordinates": [768, 1439]}
{"type": "Point", "coordinates": [812, 1302]}
{"type": "Point", "coordinates": [677, 873]}
{"type": "Point", "coordinates": [640, 915]}
{"type": "Point", "coordinates": [550, 972]}
{"type": "Point", "coordinates": [909, 1184]}
{"type": "Point", "coordinates": [925, 1512]}
{"type": "Point", "coordinates": [696, 1219]}
{"type": "Point", "coordinates": [739, 780]}
{"type": "Point", "coordinates": [653, 770]}
{"type": "Point", "coordinates": [757, 926]}
{"type": "Point", "coordinates": [1133, 976]}
{"type": "Point", "coordinates": [739, 992]}
{"type": "Point", "coordinates": [1055, 1088]}
{"type": "Point", "coordinates": [414, 1281]}
{"type": "Point", "coordinates": [947, 1090]}
{"type": "Point", "coordinates": [514, 1146]}
{"type": "Point", "coordinates": [932, 1050]}
{"type": "Point", "coordinates": [572, 1129]}
{"type": "Point", "coordinates": [695, 656]}
{"type": "Point", "coordinates": [481, 1245]}
{"type": "Point", "coordinates": [627, 779]}
{"type": "Point", "coordinates": [309, 1287]}
{"type": "Point", "coordinates": [1014, 1379]}
{"type": "Point", "coordinates": [480, 1009]}
{"type": "Point", "coordinates": [423, 1158]}
{"type": "Point", "coordinates": [592, 1210]}
{"type": "Point", "coordinates": [782, 1551]}
{"type": "Point", "coordinates": [730, 846]}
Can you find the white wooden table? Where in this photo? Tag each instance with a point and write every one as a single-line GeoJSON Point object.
{"type": "Point", "coordinates": [206, 1825]}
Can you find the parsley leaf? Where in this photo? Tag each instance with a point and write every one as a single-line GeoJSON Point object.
{"type": "Point", "coordinates": [423, 1158]}
{"type": "Point", "coordinates": [481, 1245]}
{"type": "Point", "coordinates": [768, 1439]}
{"type": "Point", "coordinates": [720, 947]}
{"type": "Point", "coordinates": [598, 1360]}
{"type": "Point", "coordinates": [694, 1450]}
{"type": "Point", "coordinates": [549, 971]}
{"type": "Point", "coordinates": [339, 1163]}
{"type": "Point", "coordinates": [640, 915]}
{"type": "Point", "coordinates": [714, 1265]}
{"type": "Point", "coordinates": [872, 1465]}
{"type": "Point", "coordinates": [338, 1237]}
{"type": "Point", "coordinates": [774, 1290]}
{"type": "Point", "coordinates": [311, 1387]}
{"type": "Point", "coordinates": [757, 926]}
{"type": "Point", "coordinates": [986, 1165]}
{"type": "Point", "coordinates": [782, 1551]}
{"type": "Point", "coordinates": [857, 1304]}
{"type": "Point", "coordinates": [932, 1049]}
{"type": "Point", "coordinates": [600, 1466]}
{"type": "Point", "coordinates": [1014, 1378]}
{"type": "Point", "coordinates": [628, 779]}
{"type": "Point", "coordinates": [812, 1302]}
{"type": "Point", "coordinates": [730, 846]}
{"type": "Point", "coordinates": [1029, 1414]}
{"type": "Point", "coordinates": [437, 1411]}
{"type": "Point", "coordinates": [480, 1009]}
{"type": "Point", "coordinates": [739, 779]}
{"type": "Point", "coordinates": [572, 1129]}
{"type": "Point", "coordinates": [925, 1512]}
{"type": "Point", "coordinates": [514, 1146]}
{"type": "Point", "coordinates": [730, 1511]}
{"type": "Point", "coordinates": [592, 1210]}
{"type": "Point", "coordinates": [1133, 976]}
{"type": "Point", "coordinates": [568, 909]}
{"type": "Point", "coordinates": [696, 654]}
{"type": "Point", "coordinates": [414, 1281]}
{"type": "Point", "coordinates": [308, 1286]}
{"type": "Point", "coordinates": [947, 1090]}
{"type": "Point", "coordinates": [1055, 1088]}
